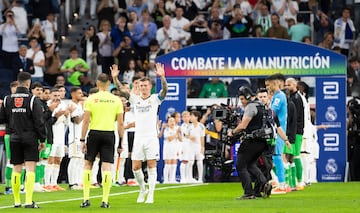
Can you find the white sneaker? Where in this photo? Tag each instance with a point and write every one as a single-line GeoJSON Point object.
{"type": "Point", "coordinates": [150, 198]}
{"type": "Point", "coordinates": [142, 195]}
{"type": "Point", "coordinates": [38, 188]}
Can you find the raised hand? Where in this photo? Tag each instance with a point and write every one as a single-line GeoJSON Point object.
{"type": "Point", "coordinates": [160, 71]}
{"type": "Point", "coordinates": [114, 70]}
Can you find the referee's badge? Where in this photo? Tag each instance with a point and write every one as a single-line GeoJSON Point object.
{"type": "Point", "coordinates": [18, 102]}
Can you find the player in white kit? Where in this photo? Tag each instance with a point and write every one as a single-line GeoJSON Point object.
{"type": "Point", "coordinates": [170, 151]}
{"type": "Point", "coordinates": [146, 142]}
{"type": "Point", "coordinates": [58, 148]}
{"type": "Point", "coordinates": [76, 156]}
{"type": "Point", "coordinates": [197, 140]}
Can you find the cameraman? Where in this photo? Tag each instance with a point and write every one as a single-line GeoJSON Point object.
{"type": "Point", "coordinates": [212, 141]}
{"type": "Point", "coordinates": [251, 147]}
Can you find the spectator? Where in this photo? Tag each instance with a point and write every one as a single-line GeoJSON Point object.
{"type": "Point", "coordinates": [20, 17]}
{"type": "Point", "coordinates": [344, 31]}
{"type": "Point", "coordinates": [83, 7]}
{"type": "Point", "coordinates": [286, 9]}
{"type": "Point", "coordinates": [198, 29]}
{"type": "Point", "coordinates": [238, 25]}
{"type": "Point", "coordinates": [257, 31]}
{"type": "Point", "coordinates": [74, 67]}
{"type": "Point", "coordinates": [244, 5]}
{"type": "Point", "coordinates": [21, 63]}
{"type": "Point", "coordinates": [322, 24]}
{"type": "Point", "coordinates": [106, 10]}
{"type": "Point", "coordinates": [328, 41]}
{"type": "Point", "coordinates": [159, 13]}
{"type": "Point", "coordinates": [144, 32]}
{"type": "Point", "coordinates": [298, 31]}
{"type": "Point", "coordinates": [216, 32]}
{"type": "Point", "coordinates": [105, 46]}
{"type": "Point", "coordinates": [178, 22]}
{"type": "Point", "coordinates": [37, 56]}
{"type": "Point", "coordinates": [90, 46]}
{"type": "Point", "coordinates": [165, 34]}
{"type": "Point", "coordinates": [38, 33]}
{"type": "Point", "coordinates": [133, 19]}
{"type": "Point", "coordinates": [118, 31]}
{"type": "Point", "coordinates": [264, 19]}
{"type": "Point", "coordinates": [215, 16]}
{"type": "Point", "coordinates": [276, 30]}
{"type": "Point", "coordinates": [138, 7]}
{"type": "Point", "coordinates": [124, 53]}
{"type": "Point", "coordinates": [355, 69]}
{"type": "Point", "coordinates": [49, 27]}
{"type": "Point", "coordinates": [52, 65]}
{"type": "Point", "coordinates": [9, 32]}
{"type": "Point", "coordinates": [129, 73]}
{"type": "Point", "coordinates": [307, 40]}
{"type": "Point", "coordinates": [155, 50]}
{"type": "Point", "coordinates": [175, 45]}
{"type": "Point", "coordinates": [190, 9]}
{"type": "Point", "coordinates": [214, 89]}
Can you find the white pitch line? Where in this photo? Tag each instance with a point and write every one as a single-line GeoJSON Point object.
{"type": "Point", "coordinates": [114, 194]}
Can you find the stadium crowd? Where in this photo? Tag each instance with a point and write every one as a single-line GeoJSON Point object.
{"type": "Point", "coordinates": [132, 34]}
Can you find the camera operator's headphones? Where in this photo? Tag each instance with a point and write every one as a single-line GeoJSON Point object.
{"type": "Point", "coordinates": [246, 92]}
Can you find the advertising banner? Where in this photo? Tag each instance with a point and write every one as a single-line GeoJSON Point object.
{"type": "Point", "coordinates": [249, 57]}
{"type": "Point", "coordinates": [261, 57]}
{"type": "Point", "coordinates": [332, 141]}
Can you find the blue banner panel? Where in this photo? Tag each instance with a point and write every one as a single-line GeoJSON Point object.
{"type": "Point", "coordinates": [331, 111]}
{"type": "Point", "coordinates": [175, 101]}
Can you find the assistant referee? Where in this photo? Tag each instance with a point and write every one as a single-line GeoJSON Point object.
{"type": "Point", "coordinates": [101, 110]}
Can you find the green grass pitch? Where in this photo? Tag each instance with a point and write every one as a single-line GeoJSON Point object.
{"type": "Point", "coordinates": [214, 197]}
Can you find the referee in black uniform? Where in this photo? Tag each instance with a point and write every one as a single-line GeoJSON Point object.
{"type": "Point", "coordinates": [251, 147]}
{"type": "Point", "coordinates": [23, 113]}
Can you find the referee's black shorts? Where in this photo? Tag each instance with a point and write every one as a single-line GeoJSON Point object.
{"type": "Point", "coordinates": [101, 142]}
{"type": "Point", "coordinates": [23, 148]}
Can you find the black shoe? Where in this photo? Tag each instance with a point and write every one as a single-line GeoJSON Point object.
{"type": "Point", "coordinates": [32, 206]}
{"type": "Point", "coordinates": [17, 206]}
{"type": "Point", "coordinates": [258, 195]}
{"type": "Point", "coordinates": [105, 205]}
{"type": "Point", "coordinates": [85, 204]}
{"type": "Point", "coordinates": [267, 190]}
{"type": "Point", "coordinates": [246, 197]}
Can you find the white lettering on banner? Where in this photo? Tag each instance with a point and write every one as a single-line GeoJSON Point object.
{"type": "Point", "coordinates": [331, 90]}
{"type": "Point", "coordinates": [331, 142]}
{"type": "Point", "coordinates": [248, 63]}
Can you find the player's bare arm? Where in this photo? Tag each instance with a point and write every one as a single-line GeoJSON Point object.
{"type": "Point", "coordinates": [160, 71]}
{"type": "Point", "coordinates": [114, 74]}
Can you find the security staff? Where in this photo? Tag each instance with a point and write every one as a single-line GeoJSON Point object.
{"type": "Point", "coordinates": [23, 114]}
{"type": "Point", "coordinates": [251, 147]}
{"type": "Point", "coordinates": [101, 110]}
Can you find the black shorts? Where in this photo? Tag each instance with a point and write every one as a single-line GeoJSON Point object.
{"type": "Point", "coordinates": [101, 142]}
{"type": "Point", "coordinates": [24, 148]}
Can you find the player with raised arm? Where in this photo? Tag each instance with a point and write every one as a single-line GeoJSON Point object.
{"type": "Point", "coordinates": [146, 142]}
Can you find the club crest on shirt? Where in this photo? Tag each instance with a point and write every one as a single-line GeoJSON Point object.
{"type": "Point", "coordinates": [18, 102]}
